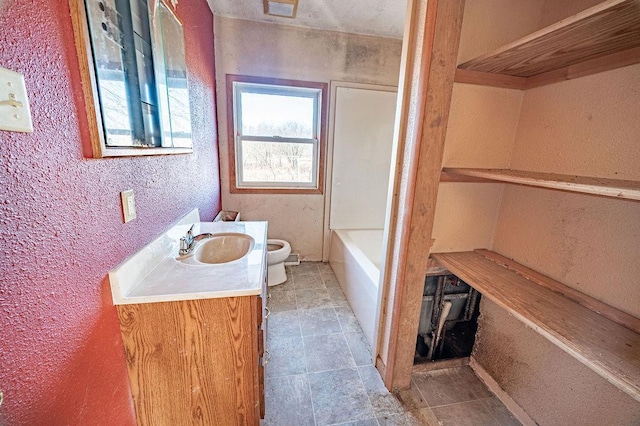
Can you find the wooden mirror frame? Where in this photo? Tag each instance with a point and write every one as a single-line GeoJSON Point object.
{"type": "Point", "coordinates": [99, 147]}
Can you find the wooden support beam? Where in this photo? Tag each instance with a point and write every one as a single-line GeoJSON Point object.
{"type": "Point", "coordinates": [426, 104]}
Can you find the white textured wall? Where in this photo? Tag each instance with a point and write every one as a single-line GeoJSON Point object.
{"type": "Point", "coordinates": [549, 384]}
{"type": "Point", "coordinates": [270, 50]}
{"type": "Point", "coordinates": [489, 24]}
{"type": "Point", "coordinates": [588, 126]}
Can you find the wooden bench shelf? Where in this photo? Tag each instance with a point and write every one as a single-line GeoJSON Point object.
{"type": "Point", "coordinates": [614, 188]}
{"type": "Point", "coordinates": [578, 324]}
{"type": "Point", "coordinates": [601, 38]}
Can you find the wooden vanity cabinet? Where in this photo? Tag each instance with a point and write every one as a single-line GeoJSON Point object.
{"type": "Point", "coordinates": [196, 361]}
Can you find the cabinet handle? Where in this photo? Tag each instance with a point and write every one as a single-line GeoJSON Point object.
{"type": "Point", "coordinates": [268, 313]}
{"type": "Point", "coordinates": [266, 358]}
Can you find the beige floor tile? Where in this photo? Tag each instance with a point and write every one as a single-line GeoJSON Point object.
{"type": "Point", "coordinates": [411, 398]}
{"type": "Point", "coordinates": [500, 412]}
{"type": "Point", "coordinates": [443, 387]}
{"type": "Point", "coordinates": [472, 413]}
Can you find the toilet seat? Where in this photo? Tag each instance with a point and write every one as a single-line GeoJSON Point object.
{"type": "Point", "coordinates": [279, 254]}
{"type": "Point", "coordinates": [276, 273]}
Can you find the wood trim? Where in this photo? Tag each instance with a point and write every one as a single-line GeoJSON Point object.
{"type": "Point", "coordinates": [293, 2]}
{"type": "Point", "coordinates": [414, 71]}
{"type": "Point", "coordinates": [133, 152]}
{"type": "Point", "coordinates": [257, 346]}
{"type": "Point", "coordinates": [606, 347]}
{"type": "Point", "coordinates": [296, 191]}
{"type": "Point", "coordinates": [322, 143]}
{"type": "Point", "coordinates": [380, 366]}
{"type": "Point", "coordinates": [612, 188]}
{"type": "Point", "coordinates": [424, 162]}
{"type": "Point", "coordinates": [504, 397]}
{"type": "Point", "coordinates": [409, 55]}
{"type": "Point", "coordinates": [583, 69]}
{"type": "Point", "coordinates": [589, 302]}
{"type": "Point", "coordinates": [490, 79]}
{"type": "Point", "coordinates": [87, 76]}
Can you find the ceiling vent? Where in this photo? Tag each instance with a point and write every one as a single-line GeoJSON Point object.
{"type": "Point", "coordinates": [282, 8]}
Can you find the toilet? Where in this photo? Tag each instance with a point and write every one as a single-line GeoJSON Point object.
{"type": "Point", "coordinates": [277, 253]}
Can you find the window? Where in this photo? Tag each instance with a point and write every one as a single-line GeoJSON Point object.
{"type": "Point", "coordinates": [276, 130]}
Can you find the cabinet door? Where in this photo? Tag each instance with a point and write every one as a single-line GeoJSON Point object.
{"type": "Point", "coordinates": [182, 356]}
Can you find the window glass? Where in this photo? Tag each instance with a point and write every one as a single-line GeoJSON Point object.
{"type": "Point", "coordinates": [277, 162]}
{"type": "Point", "coordinates": [285, 116]}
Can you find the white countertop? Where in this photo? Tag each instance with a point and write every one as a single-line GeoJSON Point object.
{"type": "Point", "coordinates": [155, 275]}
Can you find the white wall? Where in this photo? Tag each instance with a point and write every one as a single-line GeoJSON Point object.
{"type": "Point", "coordinates": [270, 50]}
{"type": "Point", "coordinates": [362, 141]}
{"type": "Point", "coordinates": [590, 127]}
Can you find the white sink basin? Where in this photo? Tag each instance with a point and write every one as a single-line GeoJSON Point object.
{"type": "Point", "coordinates": [221, 248]}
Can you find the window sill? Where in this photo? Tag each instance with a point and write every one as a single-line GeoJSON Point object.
{"type": "Point", "coordinates": [276, 191]}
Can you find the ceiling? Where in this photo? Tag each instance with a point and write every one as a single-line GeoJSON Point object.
{"type": "Point", "coordinates": [384, 18]}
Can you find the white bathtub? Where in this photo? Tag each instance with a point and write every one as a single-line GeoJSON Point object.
{"type": "Point", "coordinates": [355, 257]}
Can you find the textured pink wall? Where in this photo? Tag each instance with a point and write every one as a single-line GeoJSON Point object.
{"type": "Point", "coordinates": [61, 355]}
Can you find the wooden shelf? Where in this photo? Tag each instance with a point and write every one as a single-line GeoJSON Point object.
{"type": "Point", "coordinates": [603, 37]}
{"type": "Point", "coordinates": [608, 348]}
{"type": "Point", "coordinates": [614, 188]}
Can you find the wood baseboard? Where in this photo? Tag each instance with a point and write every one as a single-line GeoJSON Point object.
{"type": "Point", "coordinates": [494, 387]}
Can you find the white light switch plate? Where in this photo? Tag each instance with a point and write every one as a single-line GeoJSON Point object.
{"type": "Point", "coordinates": [128, 205]}
{"type": "Point", "coordinates": [15, 114]}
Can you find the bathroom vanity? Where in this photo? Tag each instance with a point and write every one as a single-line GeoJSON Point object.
{"type": "Point", "coordinates": [194, 333]}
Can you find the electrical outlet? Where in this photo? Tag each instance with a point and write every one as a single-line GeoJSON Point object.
{"type": "Point", "coordinates": [128, 205]}
{"type": "Point", "coordinates": [15, 114]}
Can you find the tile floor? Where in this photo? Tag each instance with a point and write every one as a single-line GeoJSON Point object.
{"type": "Point", "coordinates": [321, 373]}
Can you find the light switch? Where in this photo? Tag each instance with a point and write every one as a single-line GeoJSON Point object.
{"type": "Point", "coordinates": [15, 114]}
{"type": "Point", "coordinates": [128, 205]}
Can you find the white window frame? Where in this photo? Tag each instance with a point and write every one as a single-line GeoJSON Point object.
{"type": "Point", "coordinates": [315, 91]}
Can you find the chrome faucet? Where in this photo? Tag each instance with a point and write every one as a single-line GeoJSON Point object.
{"type": "Point", "coordinates": [189, 241]}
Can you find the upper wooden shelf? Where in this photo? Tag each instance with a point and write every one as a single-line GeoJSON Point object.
{"type": "Point", "coordinates": [607, 347]}
{"type": "Point", "coordinates": [614, 188]}
{"type": "Point", "coordinates": [603, 37]}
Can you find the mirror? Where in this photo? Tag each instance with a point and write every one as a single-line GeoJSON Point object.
{"type": "Point", "coordinates": [135, 79]}
{"type": "Point", "coordinates": [171, 76]}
